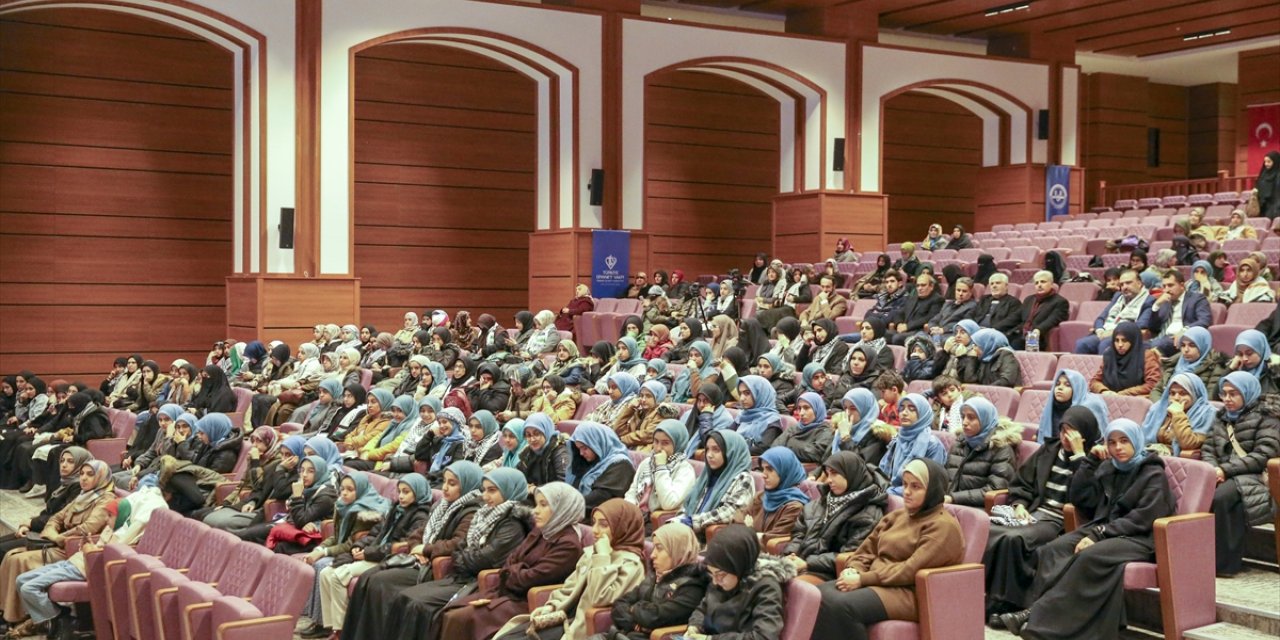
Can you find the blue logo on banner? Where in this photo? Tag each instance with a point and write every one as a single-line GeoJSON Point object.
{"type": "Point", "coordinates": [1057, 185]}
{"type": "Point", "coordinates": [610, 263]}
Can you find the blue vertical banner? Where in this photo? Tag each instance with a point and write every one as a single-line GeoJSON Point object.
{"type": "Point", "coordinates": [1057, 190]}
{"type": "Point", "coordinates": [610, 263]}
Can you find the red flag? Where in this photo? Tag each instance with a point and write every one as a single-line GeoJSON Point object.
{"type": "Point", "coordinates": [1264, 133]}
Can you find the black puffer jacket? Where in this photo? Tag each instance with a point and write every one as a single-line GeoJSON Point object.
{"type": "Point", "coordinates": [873, 445]}
{"type": "Point", "coordinates": [506, 534]}
{"type": "Point", "coordinates": [1258, 434]}
{"type": "Point", "coordinates": [549, 465]}
{"type": "Point", "coordinates": [392, 529]}
{"type": "Point", "coordinates": [973, 472]}
{"type": "Point", "coordinates": [752, 611]}
{"type": "Point", "coordinates": [818, 543]}
{"type": "Point", "coordinates": [221, 457]}
{"type": "Point", "coordinates": [658, 603]}
{"type": "Point", "coordinates": [494, 398]}
{"type": "Point", "coordinates": [1001, 371]}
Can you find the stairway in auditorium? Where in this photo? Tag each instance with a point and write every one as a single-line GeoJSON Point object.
{"type": "Point", "coordinates": [1248, 605]}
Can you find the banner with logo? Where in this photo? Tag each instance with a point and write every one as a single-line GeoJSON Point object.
{"type": "Point", "coordinates": [1057, 187]}
{"type": "Point", "coordinates": [610, 263]}
{"type": "Point", "coordinates": [1264, 134]}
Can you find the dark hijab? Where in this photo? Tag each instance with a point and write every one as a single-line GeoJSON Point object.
{"type": "Point", "coordinates": [695, 330]}
{"type": "Point", "coordinates": [603, 350]}
{"type": "Point", "coordinates": [855, 471]}
{"type": "Point", "coordinates": [951, 273]}
{"type": "Point", "coordinates": [753, 339]}
{"type": "Point", "coordinates": [986, 269]}
{"type": "Point", "coordinates": [524, 320]}
{"type": "Point", "coordinates": [735, 550]}
{"type": "Point", "coordinates": [738, 358]}
{"type": "Point", "coordinates": [830, 326]}
{"type": "Point", "coordinates": [1119, 372]}
{"type": "Point", "coordinates": [255, 351]}
{"type": "Point", "coordinates": [1054, 264]}
{"type": "Point", "coordinates": [934, 478]}
{"type": "Point", "coordinates": [1083, 420]}
{"type": "Point", "coordinates": [1267, 178]}
{"type": "Point", "coordinates": [628, 321]}
{"type": "Point", "coordinates": [757, 270]}
{"type": "Point", "coordinates": [789, 327]}
{"type": "Point", "coordinates": [215, 394]}
{"type": "Point", "coordinates": [423, 336]}
{"type": "Point", "coordinates": [281, 354]}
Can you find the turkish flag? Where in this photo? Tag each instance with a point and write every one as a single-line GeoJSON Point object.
{"type": "Point", "coordinates": [1264, 133]}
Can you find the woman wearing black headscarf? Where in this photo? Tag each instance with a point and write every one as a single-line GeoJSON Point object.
{"type": "Point", "coordinates": [869, 285]}
{"type": "Point", "coordinates": [215, 395]}
{"type": "Point", "coordinates": [789, 342]}
{"type": "Point", "coordinates": [852, 501]}
{"type": "Point", "coordinates": [1129, 368]}
{"type": "Point", "coordinates": [524, 330]}
{"type": "Point", "coordinates": [877, 582]}
{"type": "Point", "coordinates": [1268, 186]}
{"type": "Point", "coordinates": [959, 239]}
{"type": "Point", "coordinates": [986, 269]}
{"type": "Point", "coordinates": [1032, 516]}
{"type": "Point", "coordinates": [745, 598]}
{"type": "Point", "coordinates": [1053, 263]}
{"type": "Point", "coordinates": [824, 347]}
{"type": "Point", "coordinates": [753, 339]}
{"type": "Point", "coordinates": [88, 421]}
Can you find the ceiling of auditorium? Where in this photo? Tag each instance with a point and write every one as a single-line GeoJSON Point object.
{"type": "Point", "coordinates": [1113, 27]}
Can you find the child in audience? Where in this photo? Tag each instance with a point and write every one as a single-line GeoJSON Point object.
{"type": "Point", "coordinates": [746, 592]}
{"type": "Point", "coordinates": [774, 512]}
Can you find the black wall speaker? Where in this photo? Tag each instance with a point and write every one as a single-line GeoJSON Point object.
{"type": "Point", "coordinates": [1042, 125]}
{"type": "Point", "coordinates": [837, 155]}
{"type": "Point", "coordinates": [596, 187]}
{"type": "Point", "coordinates": [286, 228]}
{"type": "Point", "coordinates": [1153, 147]}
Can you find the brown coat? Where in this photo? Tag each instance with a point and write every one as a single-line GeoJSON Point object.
{"type": "Point", "coordinates": [635, 426]}
{"type": "Point", "coordinates": [834, 307]}
{"type": "Point", "coordinates": [900, 546]}
{"type": "Point", "coordinates": [1151, 376]}
{"type": "Point", "coordinates": [1177, 427]}
{"type": "Point", "coordinates": [778, 523]}
{"type": "Point", "coordinates": [536, 562]}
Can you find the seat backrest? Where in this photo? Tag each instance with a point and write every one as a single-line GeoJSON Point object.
{"type": "Point", "coordinates": [1031, 406]}
{"type": "Point", "coordinates": [801, 612]}
{"type": "Point", "coordinates": [589, 404]}
{"type": "Point", "coordinates": [191, 535]}
{"type": "Point", "coordinates": [123, 423]}
{"type": "Point", "coordinates": [1087, 365]}
{"type": "Point", "coordinates": [1004, 398]}
{"type": "Point", "coordinates": [208, 565]}
{"type": "Point", "coordinates": [366, 378]}
{"type": "Point", "coordinates": [1249, 313]}
{"type": "Point", "coordinates": [242, 463]}
{"type": "Point", "coordinates": [383, 485]}
{"type": "Point", "coordinates": [1026, 449]}
{"type": "Point", "coordinates": [1078, 291]}
{"type": "Point", "coordinates": [1132, 407]}
{"type": "Point", "coordinates": [1036, 366]}
{"type": "Point", "coordinates": [606, 304]}
{"type": "Point", "coordinates": [244, 397]}
{"type": "Point", "coordinates": [159, 532]}
{"type": "Point", "coordinates": [284, 587]}
{"type": "Point", "coordinates": [975, 526]}
{"type": "Point", "coordinates": [1192, 482]}
{"type": "Point", "coordinates": [245, 567]}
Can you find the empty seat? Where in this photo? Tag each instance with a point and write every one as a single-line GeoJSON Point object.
{"type": "Point", "coordinates": [1229, 197]}
{"type": "Point", "coordinates": [272, 610]}
{"type": "Point", "coordinates": [1004, 398]}
{"type": "Point", "coordinates": [1249, 313]}
{"type": "Point", "coordinates": [1149, 203]}
{"type": "Point", "coordinates": [1132, 407]}
{"type": "Point", "coordinates": [1126, 204]}
{"type": "Point", "coordinates": [153, 606]}
{"type": "Point", "coordinates": [1173, 201]}
{"type": "Point", "coordinates": [1036, 366]}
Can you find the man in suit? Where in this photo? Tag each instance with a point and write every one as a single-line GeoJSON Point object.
{"type": "Point", "coordinates": [1175, 310]}
{"type": "Point", "coordinates": [1042, 311]}
{"type": "Point", "coordinates": [1133, 303]}
{"type": "Point", "coordinates": [921, 305]}
{"type": "Point", "coordinates": [827, 304]}
{"type": "Point", "coordinates": [998, 310]}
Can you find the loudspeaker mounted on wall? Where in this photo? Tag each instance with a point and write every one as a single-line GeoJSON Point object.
{"type": "Point", "coordinates": [1042, 125]}
{"type": "Point", "coordinates": [837, 155]}
{"type": "Point", "coordinates": [1153, 147]}
{"type": "Point", "coordinates": [286, 227]}
{"type": "Point", "coordinates": [596, 187]}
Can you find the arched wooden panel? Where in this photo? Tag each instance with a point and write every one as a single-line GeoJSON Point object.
{"type": "Point", "coordinates": [711, 172]}
{"type": "Point", "coordinates": [116, 191]}
{"type": "Point", "coordinates": [932, 153]}
{"type": "Point", "coordinates": [445, 168]}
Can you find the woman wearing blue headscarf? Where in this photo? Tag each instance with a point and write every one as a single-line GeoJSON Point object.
{"type": "Point", "coordinates": [725, 486]}
{"type": "Point", "coordinates": [622, 389]}
{"type": "Point", "coordinates": [434, 382]}
{"type": "Point", "coordinates": [993, 362]}
{"type": "Point", "coordinates": [758, 422]}
{"type": "Point", "coordinates": [546, 455]}
{"type": "Point", "coordinates": [914, 440]}
{"type": "Point", "coordinates": [1244, 437]}
{"type": "Point", "coordinates": [774, 512]}
{"type": "Point", "coordinates": [1078, 590]}
{"type": "Point", "coordinates": [707, 415]}
{"type": "Point", "coordinates": [1070, 389]}
{"type": "Point", "coordinates": [220, 443]}
{"type": "Point", "coordinates": [442, 446]}
{"type": "Point", "coordinates": [325, 448]}
{"type": "Point", "coordinates": [1253, 356]}
{"type": "Point", "coordinates": [311, 501]}
{"type": "Point", "coordinates": [629, 358]}
{"type": "Point", "coordinates": [1181, 419]}
{"type": "Point", "coordinates": [496, 529]}
{"type": "Point", "coordinates": [982, 459]}
{"type": "Point", "coordinates": [512, 443]}
{"type": "Point", "coordinates": [859, 429]}
{"type": "Point", "coordinates": [404, 416]}
{"type": "Point", "coordinates": [1195, 356]}
{"type": "Point", "coordinates": [663, 480]}
{"type": "Point", "coordinates": [780, 376]}
{"type": "Point", "coordinates": [810, 437]}
{"type": "Point", "coordinates": [636, 422]}
{"type": "Point", "coordinates": [813, 379]}
{"type": "Point", "coordinates": [600, 467]}
{"type": "Point", "coordinates": [697, 370]}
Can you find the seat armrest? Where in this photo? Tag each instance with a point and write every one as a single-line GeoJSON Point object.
{"type": "Point", "coordinates": [659, 518]}
{"type": "Point", "coordinates": [488, 580]}
{"type": "Point", "coordinates": [951, 601]}
{"type": "Point", "coordinates": [776, 544]}
{"type": "Point", "coordinates": [1070, 519]}
{"type": "Point", "coordinates": [441, 566]}
{"type": "Point", "coordinates": [599, 619]}
{"type": "Point", "coordinates": [256, 629]}
{"type": "Point", "coordinates": [1186, 580]}
{"type": "Point", "coordinates": [668, 632]}
{"type": "Point", "coordinates": [993, 498]}
{"type": "Point", "coordinates": [538, 596]}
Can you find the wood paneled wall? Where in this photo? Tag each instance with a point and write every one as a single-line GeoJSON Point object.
{"type": "Point", "coordinates": [1258, 83]}
{"type": "Point", "coordinates": [445, 161]}
{"type": "Point", "coordinates": [1211, 129]}
{"type": "Point", "coordinates": [932, 153]}
{"type": "Point", "coordinates": [115, 191]}
{"type": "Point", "coordinates": [711, 172]}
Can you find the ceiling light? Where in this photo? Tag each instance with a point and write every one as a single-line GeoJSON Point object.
{"type": "Point", "coordinates": [1205, 34]}
{"type": "Point", "coordinates": [1008, 8]}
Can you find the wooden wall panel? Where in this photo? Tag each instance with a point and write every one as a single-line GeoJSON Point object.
{"type": "Point", "coordinates": [445, 160]}
{"type": "Point", "coordinates": [1211, 129]}
{"type": "Point", "coordinates": [711, 171]}
{"type": "Point", "coordinates": [932, 153]}
{"type": "Point", "coordinates": [116, 191]}
{"type": "Point", "coordinates": [1258, 83]}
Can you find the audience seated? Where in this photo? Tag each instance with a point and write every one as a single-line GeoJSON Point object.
{"type": "Point", "coordinates": [1042, 311]}
{"type": "Point", "coordinates": [1132, 303]}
